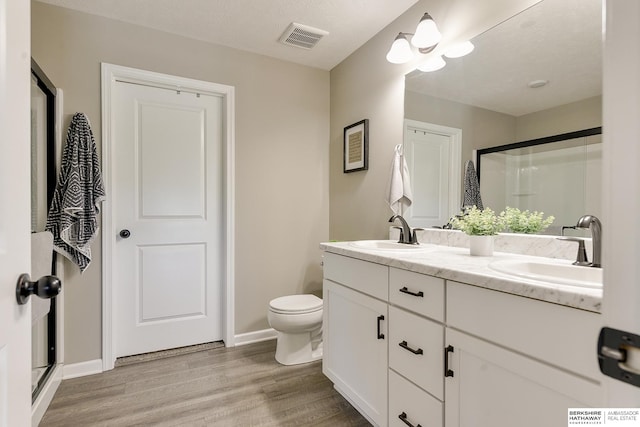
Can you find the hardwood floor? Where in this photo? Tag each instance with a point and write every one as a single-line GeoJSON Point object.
{"type": "Point", "coordinates": [241, 386]}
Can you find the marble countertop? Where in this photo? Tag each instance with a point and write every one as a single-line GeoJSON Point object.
{"type": "Point", "coordinates": [455, 263]}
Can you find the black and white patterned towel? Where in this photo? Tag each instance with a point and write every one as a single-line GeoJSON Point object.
{"type": "Point", "coordinates": [73, 214]}
{"type": "Point", "coordinates": [471, 187]}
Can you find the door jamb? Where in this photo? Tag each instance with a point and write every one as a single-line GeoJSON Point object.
{"type": "Point", "coordinates": [110, 75]}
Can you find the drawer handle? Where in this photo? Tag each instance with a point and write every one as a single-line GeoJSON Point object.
{"type": "Point", "coordinates": [380, 334]}
{"type": "Point", "coordinates": [403, 418]}
{"type": "Point", "coordinates": [404, 345]}
{"type": "Point", "coordinates": [405, 290]}
{"type": "Point", "coordinates": [447, 372]}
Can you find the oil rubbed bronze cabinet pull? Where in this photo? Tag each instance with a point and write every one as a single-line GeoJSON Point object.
{"type": "Point", "coordinates": [405, 290]}
{"type": "Point", "coordinates": [404, 345]}
{"type": "Point", "coordinates": [403, 418]}
{"type": "Point", "coordinates": [447, 372]}
{"type": "Point", "coordinates": [380, 334]}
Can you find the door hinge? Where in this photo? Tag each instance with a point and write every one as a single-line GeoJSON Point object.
{"type": "Point", "coordinates": [613, 348]}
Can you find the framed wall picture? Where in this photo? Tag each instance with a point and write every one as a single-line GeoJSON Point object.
{"type": "Point", "coordinates": [356, 147]}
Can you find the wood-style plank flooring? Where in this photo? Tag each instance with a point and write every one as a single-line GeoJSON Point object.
{"type": "Point", "coordinates": [241, 386]}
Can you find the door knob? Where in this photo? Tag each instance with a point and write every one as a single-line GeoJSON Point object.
{"type": "Point", "coordinates": [125, 233]}
{"type": "Point", "coordinates": [44, 287]}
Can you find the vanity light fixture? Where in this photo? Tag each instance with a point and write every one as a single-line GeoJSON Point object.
{"type": "Point", "coordinates": [432, 64]}
{"type": "Point", "coordinates": [426, 38]}
{"type": "Point", "coordinates": [459, 50]}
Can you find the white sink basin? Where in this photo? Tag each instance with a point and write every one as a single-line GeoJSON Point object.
{"type": "Point", "coordinates": [559, 273]}
{"type": "Point", "coordinates": [388, 245]}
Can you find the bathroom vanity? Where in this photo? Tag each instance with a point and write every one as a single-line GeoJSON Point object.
{"type": "Point", "coordinates": [435, 337]}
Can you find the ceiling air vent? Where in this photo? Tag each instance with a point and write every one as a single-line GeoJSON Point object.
{"type": "Point", "coordinates": [303, 36]}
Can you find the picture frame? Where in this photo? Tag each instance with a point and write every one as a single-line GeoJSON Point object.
{"type": "Point", "coordinates": [356, 147]}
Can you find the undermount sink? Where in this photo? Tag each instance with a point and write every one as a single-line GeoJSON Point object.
{"type": "Point", "coordinates": [388, 245]}
{"type": "Point", "coordinates": [563, 274]}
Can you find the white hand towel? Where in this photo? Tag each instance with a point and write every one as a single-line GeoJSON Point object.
{"type": "Point", "coordinates": [399, 193]}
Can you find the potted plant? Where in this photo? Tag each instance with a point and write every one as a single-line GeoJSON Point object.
{"type": "Point", "coordinates": [481, 226]}
{"type": "Point", "coordinates": [526, 222]}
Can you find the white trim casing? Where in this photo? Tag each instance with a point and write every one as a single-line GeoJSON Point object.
{"type": "Point", "coordinates": [42, 402]}
{"type": "Point", "coordinates": [82, 369]}
{"type": "Point", "coordinates": [256, 336]}
{"type": "Point", "coordinates": [110, 74]}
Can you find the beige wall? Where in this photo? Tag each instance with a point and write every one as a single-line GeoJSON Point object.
{"type": "Point", "coordinates": [282, 129]}
{"type": "Point", "coordinates": [571, 117]}
{"type": "Point", "coordinates": [481, 128]}
{"type": "Point", "coordinates": [365, 85]}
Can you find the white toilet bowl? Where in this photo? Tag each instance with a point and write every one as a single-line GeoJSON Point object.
{"type": "Point", "coordinates": [298, 321]}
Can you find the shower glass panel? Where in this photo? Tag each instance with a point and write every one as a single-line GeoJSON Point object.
{"type": "Point", "coordinates": [558, 175]}
{"type": "Point", "coordinates": [43, 332]}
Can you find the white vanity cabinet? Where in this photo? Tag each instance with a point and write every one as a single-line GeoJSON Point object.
{"type": "Point", "coordinates": [355, 333]}
{"type": "Point", "coordinates": [416, 340]}
{"type": "Point", "coordinates": [517, 361]}
{"type": "Point", "coordinates": [409, 349]}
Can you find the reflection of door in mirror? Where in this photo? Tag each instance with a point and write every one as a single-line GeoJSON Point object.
{"type": "Point", "coordinates": [43, 333]}
{"type": "Point", "coordinates": [433, 155]}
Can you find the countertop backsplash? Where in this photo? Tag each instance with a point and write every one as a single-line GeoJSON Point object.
{"type": "Point", "coordinates": [524, 244]}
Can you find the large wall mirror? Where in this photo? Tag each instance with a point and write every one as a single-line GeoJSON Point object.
{"type": "Point", "coordinates": [534, 76]}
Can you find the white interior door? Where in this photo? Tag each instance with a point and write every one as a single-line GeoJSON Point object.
{"type": "Point", "coordinates": [432, 153]}
{"type": "Point", "coordinates": [167, 180]}
{"type": "Point", "coordinates": [15, 320]}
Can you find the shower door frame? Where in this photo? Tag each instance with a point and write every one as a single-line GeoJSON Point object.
{"type": "Point", "coordinates": [47, 385]}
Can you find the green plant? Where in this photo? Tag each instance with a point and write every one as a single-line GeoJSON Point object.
{"type": "Point", "coordinates": [476, 222]}
{"type": "Point", "coordinates": [526, 222]}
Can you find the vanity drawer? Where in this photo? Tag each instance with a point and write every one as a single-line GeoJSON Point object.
{"type": "Point", "coordinates": [416, 350]}
{"type": "Point", "coordinates": [417, 292]}
{"type": "Point", "coordinates": [367, 277]}
{"type": "Point", "coordinates": [410, 402]}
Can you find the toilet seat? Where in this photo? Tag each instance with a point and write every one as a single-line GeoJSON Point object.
{"type": "Point", "coordinates": [296, 304]}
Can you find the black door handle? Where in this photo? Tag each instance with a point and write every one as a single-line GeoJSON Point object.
{"type": "Point", "coordinates": [44, 287]}
{"type": "Point", "coordinates": [447, 372]}
{"type": "Point", "coordinates": [380, 334]}
{"type": "Point", "coordinates": [125, 233]}
{"type": "Point", "coordinates": [406, 290]}
{"type": "Point", "coordinates": [404, 345]}
{"type": "Point", "coordinates": [403, 418]}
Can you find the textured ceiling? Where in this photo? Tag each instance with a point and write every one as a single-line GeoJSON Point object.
{"type": "Point", "coordinates": [555, 40]}
{"type": "Point", "coordinates": [256, 25]}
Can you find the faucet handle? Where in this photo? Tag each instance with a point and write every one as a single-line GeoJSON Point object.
{"type": "Point", "coordinates": [414, 236]}
{"type": "Point", "coordinates": [581, 257]}
{"type": "Point", "coordinates": [401, 233]}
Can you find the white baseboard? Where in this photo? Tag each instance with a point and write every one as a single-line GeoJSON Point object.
{"type": "Point", "coordinates": [255, 336]}
{"type": "Point", "coordinates": [39, 407]}
{"type": "Point", "coordinates": [82, 369]}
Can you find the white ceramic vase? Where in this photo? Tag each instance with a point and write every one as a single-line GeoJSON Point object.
{"type": "Point", "coordinates": [481, 245]}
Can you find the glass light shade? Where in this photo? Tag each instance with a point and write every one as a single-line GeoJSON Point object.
{"type": "Point", "coordinates": [427, 33]}
{"type": "Point", "coordinates": [460, 49]}
{"type": "Point", "coordinates": [400, 51]}
{"type": "Point", "coordinates": [432, 64]}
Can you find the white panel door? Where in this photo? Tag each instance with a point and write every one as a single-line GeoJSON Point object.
{"type": "Point", "coordinates": [432, 153]}
{"type": "Point", "coordinates": [167, 199]}
{"type": "Point", "coordinates": [15, 320]}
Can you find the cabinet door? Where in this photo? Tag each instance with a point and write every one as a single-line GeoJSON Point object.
{"type": "Point", "coordinates": [355, 349]}
{"type": "Point", "coordinates": [494, 387]}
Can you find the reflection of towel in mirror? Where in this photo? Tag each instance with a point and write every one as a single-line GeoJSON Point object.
{"type": "Point", "coordinates": [41, 257]}
{"type": "Point", "coordinates": [399, 194]}
{"type": "Point", "coordinates": [471, 187]}
{"type": "Point", "coordinates": [74, 209]}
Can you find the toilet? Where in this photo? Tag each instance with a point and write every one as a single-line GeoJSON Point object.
{"type": "Point", "coordinates": [298, 321]}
